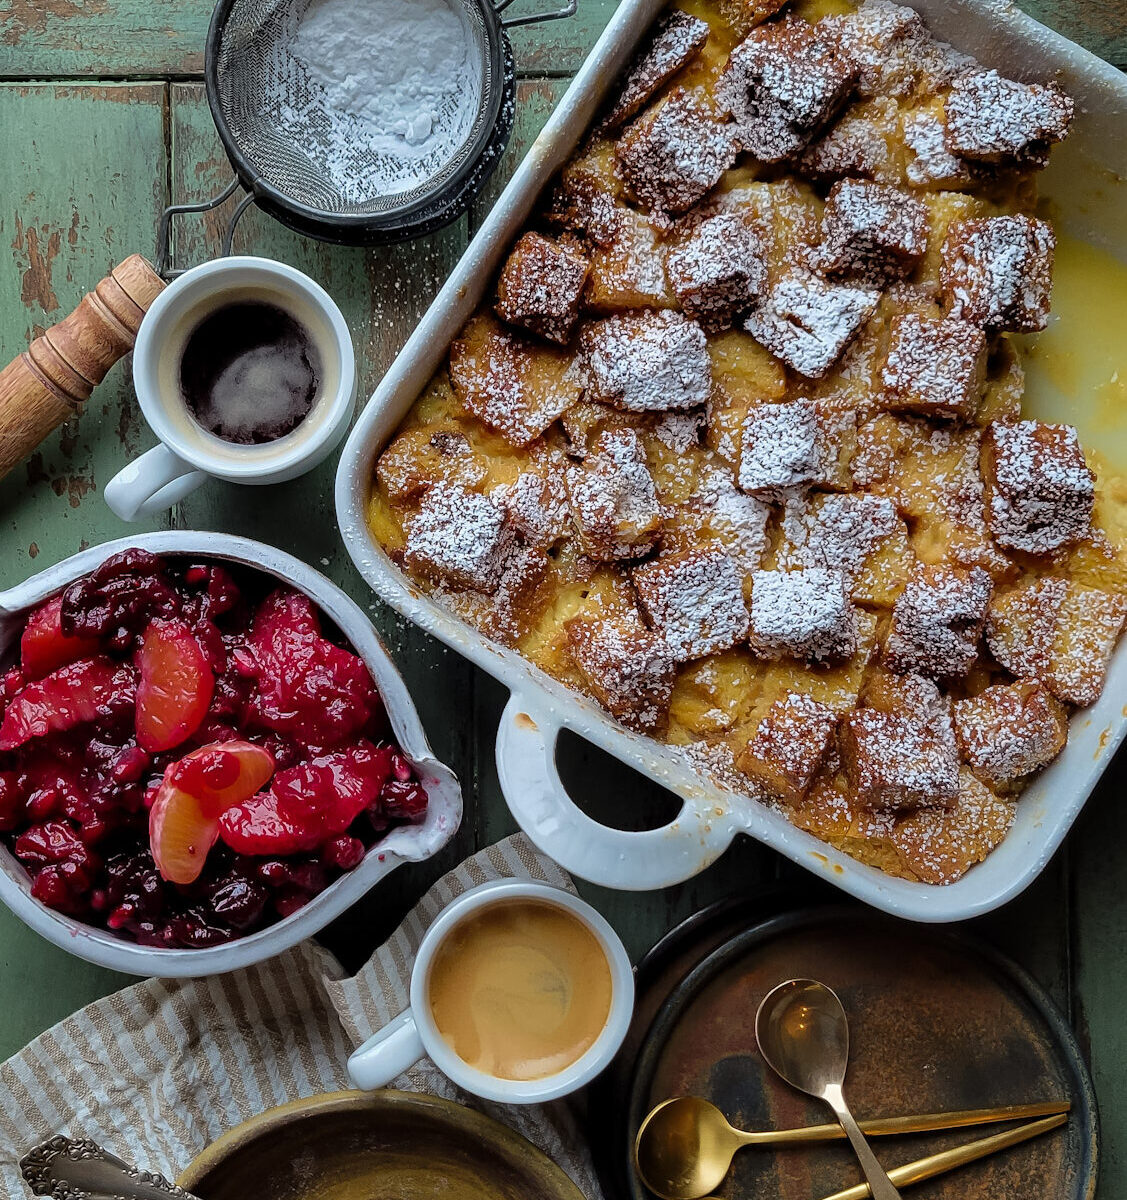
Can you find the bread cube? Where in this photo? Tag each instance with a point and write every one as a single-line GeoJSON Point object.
{"type": "Point", "coordinates": [585, 199]}
{"type": "Point", "coordinates": [789, 746]}
{"type": "Point", "coordinates": [459, 537]}
{"type": "Point", "coordinates": [939, 845]}
{"type": "Point", "coordinates": [675, 153]}
{"type": "Point", "coordinates": [884, 40]}
{"type": "Point", "coordinates": [676, 41]}
{"type": "Point", "coordinates": [910, 696]}
{"type": "Point", "coordinates": [736, 521]}
{"type": "Point", "coordinates": [839, 532]}
{"type": "Point", "coordinates": [510, 611]}
{"type": "Point", "coordinates": [802, 614]}
{"type": "Point", "coordinates": [647, 361]}
{"type": "Point", "coordinates": [807, 321]}
{"type": "Point", "coordinates": [1039, 490]}
{"type": "Point", "coordinates": [629, 270]}
{"type": "Point", "coordinates": [628, 669]}
{"type": "Point", "coordinates": [937, 621]}
{"type": "Point", "coordinates": [744, 15]}
{"type": "Point", "coordinates": [718, 271]}
{"type": "Point", "coordinates": [934, 367]}
{"type": "Point", "coordinates": [537, 504]}
{"type": "Point", "coordinates": [871, 231]}
{"type": "Point", "coordinates": [744, 375]}
{"type": "Point", "coordinates": [1088, 627]}
{"type": "Point", "coordinates": [998, 272]}
{"type": "Point", "coordinates": [857, 146]}
{"type": "Point", "coordinates": [613, 501]}
{"type": "Point", "coordinates": [419, 458]}
{"type": "Point", "coordinates": [694, 600]}
{"type": "Point", "coordinates": [930, 164]}
{"type": "Point", "coordinates": [1009, 731]}
{"type": "Point", "coordinates": [782, 84]}
{"type": "Point", "coordinates": [1021, 625]}
{"type": "Point", "coordinates": [509, 382]}
{"type": "Point", "coordinates": [799, 443]}
{"type": "Point", "coordinates": [997, 120]}
{"type": "Point", "coordinates": [896, 760]}
{"type": "Point", "coordinates": [540, 287]}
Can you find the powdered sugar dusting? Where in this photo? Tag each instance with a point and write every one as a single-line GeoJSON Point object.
{"type": "Point", "coordinates": [459, 536]}
{"type": "Point", "coordinates": [677, 40]}
{"type": "Point", "coordinates": [807, 322]}
{"type": "Point", "coordinates": [648, 361]}
{"type": "Point", "coordinates": [695, 601]}
{"type": "Point", "coordinates": [802, 614]}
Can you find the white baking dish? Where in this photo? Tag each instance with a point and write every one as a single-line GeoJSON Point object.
{"type": "Point", "coordinates": [407, 843]}
{"type": "Point", "coordinates": [1085, 181]}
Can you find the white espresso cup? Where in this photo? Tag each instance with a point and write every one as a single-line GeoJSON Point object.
{"type": "Point", "coordinates": [414, 1034]}
{"type": "Point", "coordinates": [188, 454]}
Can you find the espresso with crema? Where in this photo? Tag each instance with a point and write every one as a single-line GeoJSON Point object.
{"type": "Point", "coordinates": [520, 989]}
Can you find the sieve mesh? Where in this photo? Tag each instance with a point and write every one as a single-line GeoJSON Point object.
{"type": "Point", "coordinates": [281, 123]}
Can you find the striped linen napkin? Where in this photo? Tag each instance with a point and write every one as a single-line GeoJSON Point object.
{"type": "Point", "coordinates": [156, 1072]}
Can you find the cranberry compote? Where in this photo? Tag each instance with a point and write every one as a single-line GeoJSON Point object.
{"type": "Point", "coordinates": [138, 676]}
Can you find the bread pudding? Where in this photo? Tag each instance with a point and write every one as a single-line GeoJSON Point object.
{"type": "Point", "coordinates": [738, 448]}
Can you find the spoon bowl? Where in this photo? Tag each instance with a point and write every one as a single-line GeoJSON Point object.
{"type": "Point", "coordinates": [803, 1033]}
{"type": "Point", "coordinates": [684, 1148]}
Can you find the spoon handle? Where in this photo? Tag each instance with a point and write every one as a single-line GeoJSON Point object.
{"type": "Point", "coordinates": [879, 1184]}
{"type": "Point", "coordinates": [921, 1123]}
{"type": "Point", "coordinates": [948, 1160]}
{"type": "Point", "coordinates": [79, 1169]}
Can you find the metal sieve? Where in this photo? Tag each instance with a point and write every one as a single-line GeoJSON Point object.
{"type": "Point", "coordinates": [281, 145]}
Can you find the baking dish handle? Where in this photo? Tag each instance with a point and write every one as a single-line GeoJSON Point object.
{"type": "Point", "coordinates": [614, 858]}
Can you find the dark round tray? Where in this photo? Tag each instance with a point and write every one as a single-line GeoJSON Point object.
{"type": "Point", "coordinates": [938, 1021]}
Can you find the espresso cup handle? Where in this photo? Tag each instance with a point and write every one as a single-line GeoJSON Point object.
{"type": "Point", "coordinates": [387, 1053]}
{"type": "Point", "coordinates": [150, 484]}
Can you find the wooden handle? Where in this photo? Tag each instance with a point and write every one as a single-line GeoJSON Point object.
{"type": "Point", "coordinates": [53, 378]}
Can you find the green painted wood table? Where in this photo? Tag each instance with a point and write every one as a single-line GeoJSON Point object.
{"type": "Point", "coordinates": [103, 121]}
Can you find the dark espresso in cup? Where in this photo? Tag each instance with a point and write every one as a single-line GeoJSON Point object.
{"type": "Point", "coordinates": [250, 372]}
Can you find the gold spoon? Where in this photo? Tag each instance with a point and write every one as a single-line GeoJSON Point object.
{"type": "Point", "coordinates": [685, 1146]}
{"type": "Point", "coordinates": [948, 1160]}
{"type": "Point", "coordinates": [803, 1033]}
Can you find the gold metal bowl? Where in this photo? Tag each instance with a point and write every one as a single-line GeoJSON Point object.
{"type": "Point", "coordinates": [371, 1145]}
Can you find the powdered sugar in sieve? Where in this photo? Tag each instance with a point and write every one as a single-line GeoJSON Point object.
{"type": "Point", "coordinates": [379, 95]}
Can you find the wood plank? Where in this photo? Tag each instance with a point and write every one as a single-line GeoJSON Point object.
{"type": "Point", "coordinates": [1099, 936]}
{"type": "Point", "coordinates": [74, 204]}
{"type": "Point", "coordinates": [115, 38]}
{"type": "Point", "coordinates": [382, 293]}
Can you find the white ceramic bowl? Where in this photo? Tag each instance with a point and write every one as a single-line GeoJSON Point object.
{"type": "Point", "coordinates": [407, 843]}
{"type": "Point", "coordinates": [1085, 185]}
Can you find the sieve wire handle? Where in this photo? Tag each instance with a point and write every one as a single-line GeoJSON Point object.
{"type": "Point", "coordinates": [164, 230]}
{"type": "Point", "coordinates": [568, 10]}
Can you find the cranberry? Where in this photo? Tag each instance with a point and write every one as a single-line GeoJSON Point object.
{"type": "Point", "coordinates": [192, 931]}
{"type": "Point", "coordinates": [11, 801]}
{"type": "Point", "coordinates": [405, 801]}
{"type": "Point", "coordinates": [51, 842]}
{"type": "Point", "coordinates": [288, 901]}
{"type": "Point", "coordinates": [344, 853]}
{"type": "Point", "coordinates": [273, 871]}
{"type": "Point", "coordinates": [116, 601]}
{"type": "Point", "coordinates": [74, 778]}
{"type": "Point", "coordinates": [131, 764]}
{"type": "Point", "coordinates": [50, 887]}
{"type": "Point", "coordinates": [238, 902]}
